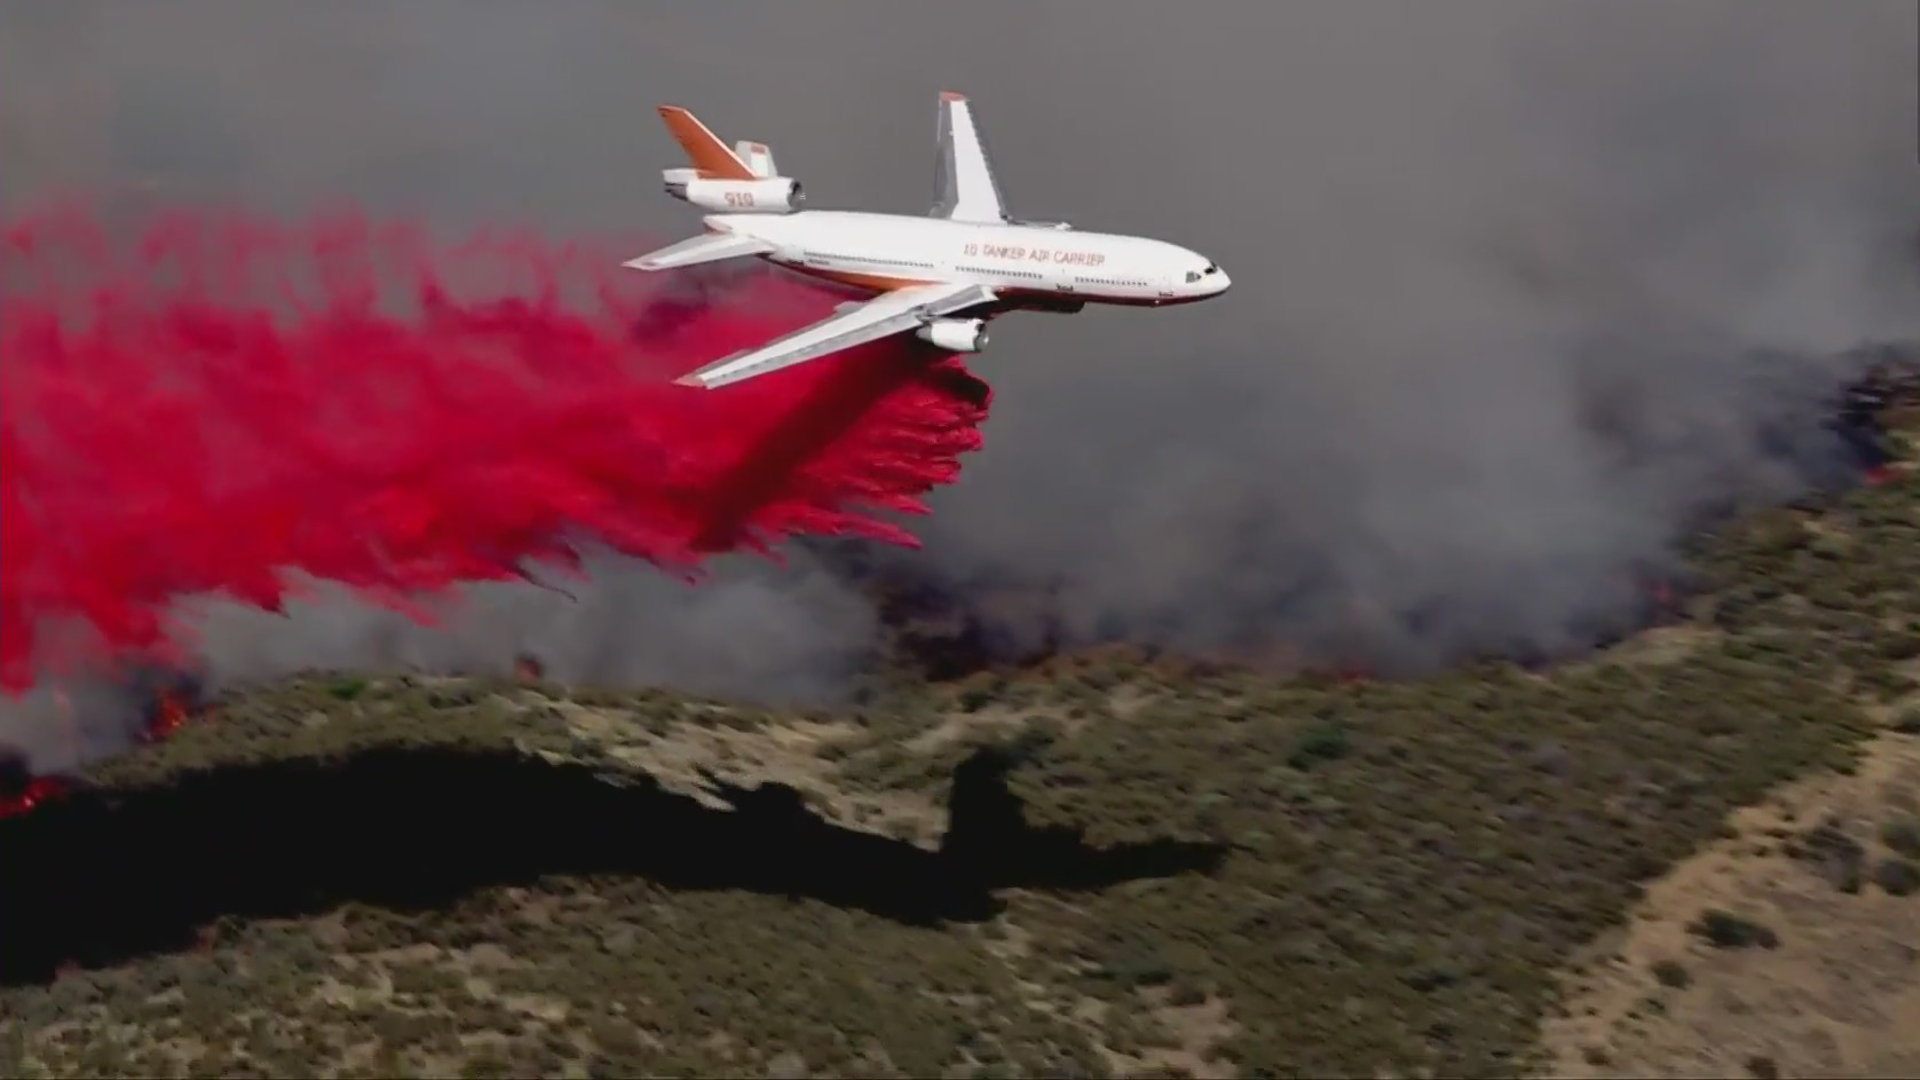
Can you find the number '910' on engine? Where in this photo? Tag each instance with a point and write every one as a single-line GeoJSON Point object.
{"type": "Point", "coordinates": [770, 195]}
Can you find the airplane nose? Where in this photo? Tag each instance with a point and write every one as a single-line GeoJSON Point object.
{"type": "Point", "coordinates": [1221, 283]}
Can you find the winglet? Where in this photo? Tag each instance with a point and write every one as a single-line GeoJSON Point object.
{"type": "Point", "coordinates": [693, 380]}
{"type": "Point", "coordinates": [704, 149]}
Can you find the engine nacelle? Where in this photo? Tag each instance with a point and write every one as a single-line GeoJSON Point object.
{"type": "Point", "coordinates": [772, 195]}
{"type": "Point", "coordinates": [955, 335]}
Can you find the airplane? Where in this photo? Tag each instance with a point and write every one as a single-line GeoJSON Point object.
{"type": "Point", "coordinates": [941, 277]}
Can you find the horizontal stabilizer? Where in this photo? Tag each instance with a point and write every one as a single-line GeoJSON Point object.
{"type": "Point", "coordinates": [712, 247]}
{"type": "Point", "coordinates": [758, 157]}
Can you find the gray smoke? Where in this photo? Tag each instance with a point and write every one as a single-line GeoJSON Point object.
{"type": "Point", "coordinates": [753, 631]}
{"type": "Point", "coordinates": [1501, 269]}
{"type": "Point", "coordinates": [777, 633]}
{"type": "Point", "coordinates": [1464, 234]}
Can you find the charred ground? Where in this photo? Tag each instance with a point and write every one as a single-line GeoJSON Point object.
{"type": "Point", "coordinates": [1100, 863]}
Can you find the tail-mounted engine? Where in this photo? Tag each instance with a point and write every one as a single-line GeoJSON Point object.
{"type": "Point", "coordinates": [768, 195]}
{"type": "Point", "coordinates": [955, 335]}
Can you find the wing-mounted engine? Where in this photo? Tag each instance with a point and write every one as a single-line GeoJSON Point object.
{"type": "Point", "coordinates": [955, 335]}
{"type": "Point", "coordinates": [762, 195]}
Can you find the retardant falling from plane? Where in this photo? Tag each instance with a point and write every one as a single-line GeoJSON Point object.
{"type": "Point", "coordinates": [219, 400]}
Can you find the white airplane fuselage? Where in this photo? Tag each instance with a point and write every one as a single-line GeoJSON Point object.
{"type": "Point", "coordinates": [1030, 266]}
{"type": "Point", "coordinates": [939, 277]}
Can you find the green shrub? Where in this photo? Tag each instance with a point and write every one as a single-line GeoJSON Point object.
{"type": "Point", "coordinates": [1322, 741]}
{"type": "Point", "coordinates": [1897, 877]}
{"type": "Point", "coordinates": [1902, 835]}
{"type": "Point", "coordinates": [1671, 974]}
{"type": "Point", "coordinates": [346, 687]}
{"type": "Point", "coordinates": [1725, 930]}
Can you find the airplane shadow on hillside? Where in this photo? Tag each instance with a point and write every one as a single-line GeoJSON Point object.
{"type": "Point", "coordinates": [101, 877]}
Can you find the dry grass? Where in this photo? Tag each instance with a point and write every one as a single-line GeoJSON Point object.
{"type": "Point", "coordinates": [1838, 996]}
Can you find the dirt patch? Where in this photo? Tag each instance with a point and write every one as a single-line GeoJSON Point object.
{"type": "Point", "coordinates": [1663, 645]}
{"type": "Point", "coordinates": [1777, 951]}
{"type": "Point", "coordinates": [1186, 1036]}
{"type": "Point", "coordinates": [956, 727]}
{"type": "Point", "coordinates": [692, 758]}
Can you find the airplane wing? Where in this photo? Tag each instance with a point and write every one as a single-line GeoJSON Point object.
{"type": "Point", "coordinates": [889, 313]}
{"type": "Point", "coordinates": [963, 176]}
{"type": "Point", "coordinates": [711, 247]}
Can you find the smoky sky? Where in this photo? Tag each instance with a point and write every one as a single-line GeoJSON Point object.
{"type": "Point", "coordinates": [1500, 269]}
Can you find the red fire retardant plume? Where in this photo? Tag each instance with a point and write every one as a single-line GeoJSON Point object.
{"type": "Point", "coordinates": [204, 405]}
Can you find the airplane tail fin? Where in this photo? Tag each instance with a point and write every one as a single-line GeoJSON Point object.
{"type": "Point", "coordinates": [704, 149]}
{"type": "Point", "coordinates": [963, 174]}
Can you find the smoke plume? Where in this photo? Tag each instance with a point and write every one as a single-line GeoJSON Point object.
{"type": "Point", "coordinates": [201, 412]}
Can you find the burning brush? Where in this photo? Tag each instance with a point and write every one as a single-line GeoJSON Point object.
{"type": "Point", "coordinates": [20, 790]}
{"type": "Point", "coordinates": [1880, 407]}
{"type": "Point", "coordinates": [167, 699]}
{"type": "Point", "coordinates": [528, 668]}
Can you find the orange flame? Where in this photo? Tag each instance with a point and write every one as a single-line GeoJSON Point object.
{"type": "Point", "coordinates": [170, 714]}
{"type": "Point", "coordinates": [1349, 673]}
{"type": "Point", "coordinates": [172, 707]}
{"type": "Point", "coordinates": [37, 791]}
{"type": "Point", "coordinates": [528, 668]}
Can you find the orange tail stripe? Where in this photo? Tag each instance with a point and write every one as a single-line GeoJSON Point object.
{"type": "Point", "coordinates": [707, 153]}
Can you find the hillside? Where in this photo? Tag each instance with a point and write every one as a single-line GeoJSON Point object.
{"type": "Point", "coordinates": [1096, 866]}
